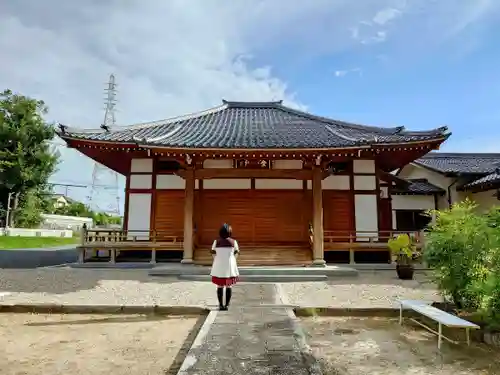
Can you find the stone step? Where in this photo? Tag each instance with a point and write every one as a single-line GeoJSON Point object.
{"type": "Point", "coordinates": [330, 271]}
{"type": "Point", "coordinates": [262, 278]}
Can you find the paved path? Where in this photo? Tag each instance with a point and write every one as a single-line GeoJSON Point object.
{"type": "Point", "coordinates": [249, 339]}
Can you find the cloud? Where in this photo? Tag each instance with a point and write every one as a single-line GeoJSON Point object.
{"type": "Point", "coordinates": [342, 73]}
{"type": "Point", "coordinates": [385, 15]}
{"type": "Point", "coordinates": [170, 58]}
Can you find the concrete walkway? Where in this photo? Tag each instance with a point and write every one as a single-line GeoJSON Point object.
{"type": "Point", "coordinates": [251, 338]}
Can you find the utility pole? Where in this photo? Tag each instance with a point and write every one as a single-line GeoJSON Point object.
{"type": "Point", "coordinates": [7, 214]}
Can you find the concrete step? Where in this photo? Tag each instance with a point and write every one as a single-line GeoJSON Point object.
{"type": "Point", "coordinates": [330, 271]}
{"type": "Point", "coordinates": [262, 278]}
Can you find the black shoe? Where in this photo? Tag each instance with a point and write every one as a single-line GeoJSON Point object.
{"type": "Point", "coordinates": [222, 308]}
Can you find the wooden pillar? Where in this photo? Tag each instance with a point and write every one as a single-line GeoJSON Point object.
{"type": "Point", "coordinates": [318, 241]}
{"type": "Point", "coordinates": [188, 216]}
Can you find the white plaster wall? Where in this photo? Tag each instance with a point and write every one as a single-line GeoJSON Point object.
{"type": "Point", "coordinates": [412, 202]}
{"type": "Point", "coordinates": [141, 181]}
{"type": "Point", "coordinates": [216, 163]}
{"type": "Point", "coordinates": [485, 200]}
{"type": "Point", "coordinates": [139, 215]}
{"type": "Point", "coordinates": [364, 166]}
{"type": "Point", "coordinates": [170, 182]}
{"type": "Point", "coordinates": [339, 182]}
{"type": "Point", "coordinates": [227, 183]}
{"type": "Point", "coordinates": [278, 184]}
{"type": "Point", "coordinates": [141, 166]}
{"type": "Point", "coordinates": [287, 164]}
{"type": "Point", "coordinates": [366, 211]}
{"type": "Point", "coordinates": [365, 183]}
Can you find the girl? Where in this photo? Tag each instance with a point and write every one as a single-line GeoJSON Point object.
{"type": "Point", "coordinates": [224, 268]}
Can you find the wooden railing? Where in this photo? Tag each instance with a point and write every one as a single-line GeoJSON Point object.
{"type": "Point", "coordinates": [366, 240]}
{"type": "Point", "coordinates": [117, 240]}
{"type": "Point", "coordinates": [115, 237]}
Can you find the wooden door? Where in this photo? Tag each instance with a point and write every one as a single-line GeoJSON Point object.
{"type": "Point", "coordinates": [280, 216]}
{"type": "Point", "coordinates": [338, 215]}
{"type": "Point", "coordinates": [169, 213]}
{"type": "Point", "coordinates": [385, 217]}
{"type": "Point", "coordinates": [225, 206]}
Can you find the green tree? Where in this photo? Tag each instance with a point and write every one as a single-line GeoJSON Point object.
{"type": "Point", "coordinates": [457, 248]}
{"type": "Point", "coordinates": [26, 159]}
{"type": "Point", "coordinates": [463, 249]}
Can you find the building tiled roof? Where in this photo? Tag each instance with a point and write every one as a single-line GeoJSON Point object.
{"type": "Point", "coordinates": [417, 187]}
{"type": "Point", "coordinates": [253, 125]}
{"type": "Point", "coordinates": [460, 163]}
{"type": "Point", "coordinates": [490, 180]}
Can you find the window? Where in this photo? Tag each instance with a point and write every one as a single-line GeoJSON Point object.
{"type": "Point", "coordinates": [411, 220]}
{"type": "Point", "coordinates": [167, 165]}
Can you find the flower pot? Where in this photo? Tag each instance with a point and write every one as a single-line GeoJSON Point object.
{"type": "Point", "coordinates": [405, 271]}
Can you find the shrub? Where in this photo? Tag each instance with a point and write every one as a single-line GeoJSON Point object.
{"type": "Point", "coordinates": [462, 247]}
{"type": "Point", "coordinates": [455, 247]}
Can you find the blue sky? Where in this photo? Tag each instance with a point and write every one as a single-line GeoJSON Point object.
{"type": "Point", "coordinates": [417, 63]}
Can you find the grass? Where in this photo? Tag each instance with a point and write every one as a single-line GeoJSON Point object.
{"type": "Point", "coordinates": [15, 242]}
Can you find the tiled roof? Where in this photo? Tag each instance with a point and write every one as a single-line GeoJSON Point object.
{"type": "Point", "coordinates": [418, 186]}
{"type": "Point", "coordinates": [460, 163]}
{"type": "Point", "coordinates": [492, 179]}
{"type": "Point", "coordinates": [253, 125]}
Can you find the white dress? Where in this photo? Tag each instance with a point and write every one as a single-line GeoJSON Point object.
{"type": "Point", "coordinates": [224, 264]}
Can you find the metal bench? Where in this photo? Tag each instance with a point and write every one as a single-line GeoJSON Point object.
{"type": "Point", "coordinates": [441, 317]}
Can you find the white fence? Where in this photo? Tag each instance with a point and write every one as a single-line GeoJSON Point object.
{"type": "Point", "coordinates": [24, 232]}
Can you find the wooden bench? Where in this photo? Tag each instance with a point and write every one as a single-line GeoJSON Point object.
{"type": "Point", "coordinates": [441, 317]}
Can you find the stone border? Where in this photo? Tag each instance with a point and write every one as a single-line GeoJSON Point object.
{"type": "Point", "coordinates": [190, 359]}
{"type": "Point", "coordinates": [103, 309]}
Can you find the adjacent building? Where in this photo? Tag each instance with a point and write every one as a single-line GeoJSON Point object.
{"type": "Point", "coordinates": [459, 176]}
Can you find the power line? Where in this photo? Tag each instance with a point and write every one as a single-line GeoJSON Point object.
{"type": "Point", "coordinates": [83, 185]}
{"type": "Point", "coordinates": [100, 170]}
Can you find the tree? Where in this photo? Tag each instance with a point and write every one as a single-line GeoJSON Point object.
{"type": "Point", "coordinates": [463, 249]}
{"type": "Point", "coordinates": [26, 160]}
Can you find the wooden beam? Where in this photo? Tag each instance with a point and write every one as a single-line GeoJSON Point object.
{"type": "Point", "coordinates": [188, 216]}
{"type": "Point", "coordinates": [205, 174]}
{"type": "Point", "coordinates": [318, 242]}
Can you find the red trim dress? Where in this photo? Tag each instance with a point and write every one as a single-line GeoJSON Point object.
{"type": "Point", "coordinates": [224, 268]}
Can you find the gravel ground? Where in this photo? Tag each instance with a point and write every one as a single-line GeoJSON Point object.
{"type": "Point", "coordinates": [101, 287]}
{"type": "Point", "coordinates": [94, 345]}
{"type": "Point", "coordinates": [358, 346]}
{"type": "Point", "coordinates": [370, 289]}
{"type": "Point", "coordinates": [135, 287]}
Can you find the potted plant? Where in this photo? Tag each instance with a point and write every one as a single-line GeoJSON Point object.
{"type": "Point", "coordinates": [404, 249]}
